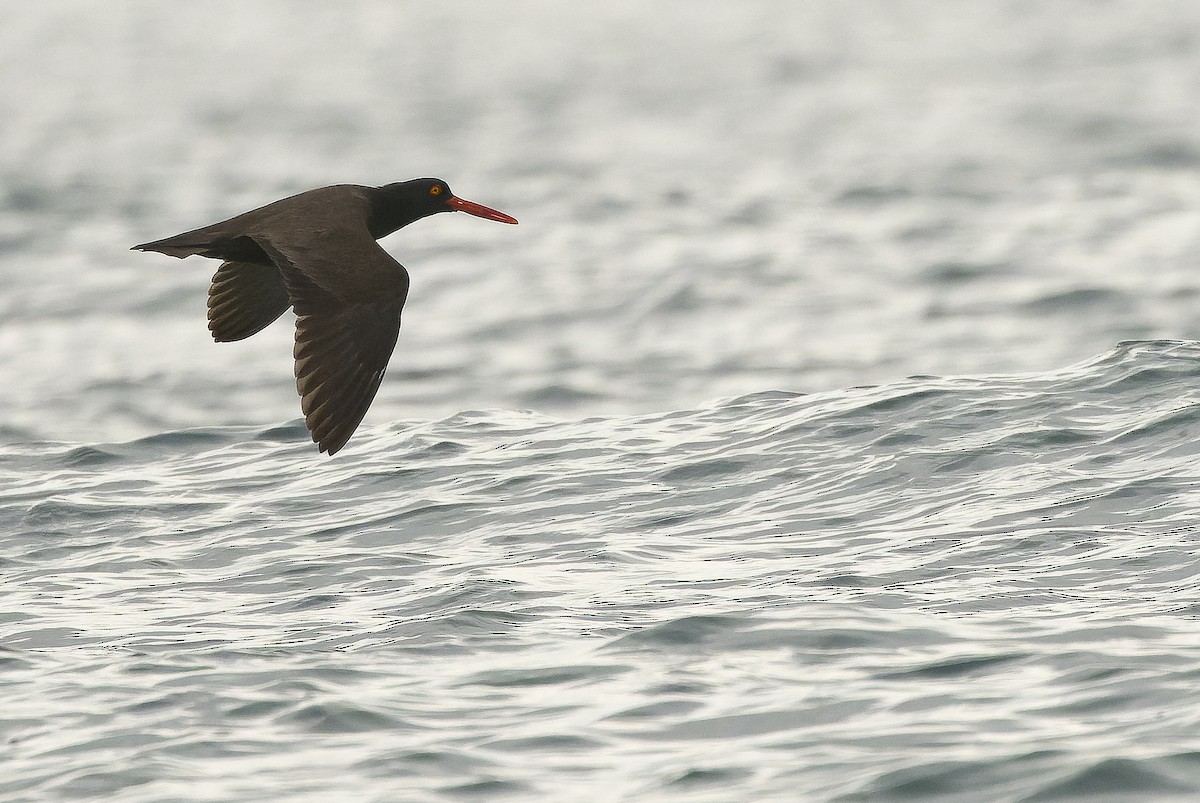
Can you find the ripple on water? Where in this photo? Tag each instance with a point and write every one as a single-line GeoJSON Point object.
{"type": "Point", "coordinates": [501, 603]}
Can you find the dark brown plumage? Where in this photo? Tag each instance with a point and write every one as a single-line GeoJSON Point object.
{"type": "Point", "coordinates": [316, 252]}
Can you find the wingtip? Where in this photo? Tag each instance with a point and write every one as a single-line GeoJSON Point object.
{"type": "Point", "coordinates": [327, 446]}
{"type": "Point", "coordinates": [331, 445]}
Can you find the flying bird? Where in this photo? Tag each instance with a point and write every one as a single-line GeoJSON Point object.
{"type": "Point", "coordinates": [316, 252]}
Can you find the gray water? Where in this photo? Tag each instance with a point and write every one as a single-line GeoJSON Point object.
{"type": "Point", "coordinates": [826, 430]}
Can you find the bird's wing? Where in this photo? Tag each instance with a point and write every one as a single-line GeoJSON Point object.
{"type": "Point", "coordinates": [348, 293]}
{"type": "Point", "coordinates": [244, 298]}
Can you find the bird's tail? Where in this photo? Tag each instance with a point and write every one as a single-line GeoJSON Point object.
{"type": "Point", "coordinates": [181, 245]}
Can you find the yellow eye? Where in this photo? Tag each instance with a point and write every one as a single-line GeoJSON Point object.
{"type": "Point", "coordinates": [435, 190]}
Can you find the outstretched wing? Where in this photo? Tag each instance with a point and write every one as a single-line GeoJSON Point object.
{"type": "Point", "coordinates": [244, 298]}
{"type": "Point", "coordinates": [341, 353]}
{"type": "Point", "coordinates": [348, 297]}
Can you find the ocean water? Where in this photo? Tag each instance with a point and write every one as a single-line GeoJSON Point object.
{"type": "Point", "coordinates": [827, 430]}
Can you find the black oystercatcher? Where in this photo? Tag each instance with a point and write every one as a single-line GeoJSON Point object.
{"type": "Point", "coordinates": [316, 252]}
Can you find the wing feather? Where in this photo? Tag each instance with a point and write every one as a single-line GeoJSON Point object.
{"type": "Point", "coordinates": [245, 297]}
{"type": "Point", "coordinates": [345, 332]}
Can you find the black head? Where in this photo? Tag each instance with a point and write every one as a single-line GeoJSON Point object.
{"type": "Point", "coordinates": [406, 201]}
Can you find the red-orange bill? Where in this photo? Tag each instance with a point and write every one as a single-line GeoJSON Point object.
{"type": "Point", "coordinates": [479, 210]}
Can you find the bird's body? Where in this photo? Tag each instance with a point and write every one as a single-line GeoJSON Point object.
{"type": "Point", "coordinates": [316, 252]}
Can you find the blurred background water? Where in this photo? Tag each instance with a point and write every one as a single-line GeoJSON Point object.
{"type": "Point", "coordinates": [824, 431]}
